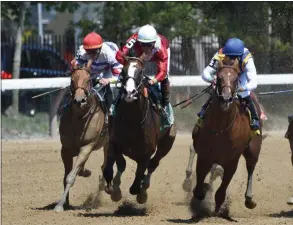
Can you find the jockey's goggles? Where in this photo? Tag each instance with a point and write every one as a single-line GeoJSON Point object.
{"type": "Point", "coordinates": [147, 44]}
{"type": "Point", "coordinates": [93, 51]}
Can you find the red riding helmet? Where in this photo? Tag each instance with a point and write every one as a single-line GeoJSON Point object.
{"type": "Point", "coordinates": [92, 41]}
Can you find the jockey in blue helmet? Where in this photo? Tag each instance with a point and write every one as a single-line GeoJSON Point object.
{"type": "Point", "coordinates": [234, 48]}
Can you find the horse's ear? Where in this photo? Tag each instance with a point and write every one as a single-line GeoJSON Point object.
{"type": "Point", "coordinates": [88, 65]}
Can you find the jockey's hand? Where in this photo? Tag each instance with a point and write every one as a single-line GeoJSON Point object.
{"type": "Point", "coordinates": [152, 81]}
{"type": "Point", "coordinates": [240, 89]}
{"type": "Point", "coordinates": [104, 81]}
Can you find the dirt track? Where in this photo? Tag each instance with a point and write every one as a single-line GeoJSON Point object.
{"type": "Point", "coordinates": [32, 174]}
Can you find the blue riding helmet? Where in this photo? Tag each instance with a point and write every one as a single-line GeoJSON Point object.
{"type": "Point", "coordinates": [234, 47]}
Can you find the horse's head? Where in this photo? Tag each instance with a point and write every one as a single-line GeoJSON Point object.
{"type": "Point", "coordinates": [132, 78]}
{"type": "Point", "coordinates": [81, 84]}
{"type": "Point", "coordinates": [227, 81]}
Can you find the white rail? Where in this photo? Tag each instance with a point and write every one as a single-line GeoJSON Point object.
{"type": "Point", "coordinates": [176, 81]}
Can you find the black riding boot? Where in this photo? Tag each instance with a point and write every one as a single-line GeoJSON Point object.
{"type": "Point", "coordinates": [254, 117]}
{"type": "Point", "coordinates": [108, 101]}
{"type": "Point", "coordinates": [204, 107]}
{"type": "Point", "coordinates": [165, 90]}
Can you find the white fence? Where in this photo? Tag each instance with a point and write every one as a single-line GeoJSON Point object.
{"type": "Point", "coordinates": [176, 81]}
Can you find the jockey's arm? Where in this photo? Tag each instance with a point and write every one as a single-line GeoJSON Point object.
{"type": "Point", "coordinates": [251, 75]}
{"type": "Point", "coordinates": [162, 66]}
{"type": "Point", "coordinates": [208, 74]}
{"type": "Point", "coordinates": [116, 68]}
{"type": "Point", "coordinates": [124, 51]}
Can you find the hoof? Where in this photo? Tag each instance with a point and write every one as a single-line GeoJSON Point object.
{"type": "Point", "coordinates": [85, 173]}
{"type": "Point", "coordinates": [116, 196]}
{"type": "Point", "coordinates": [109, 190]}
{"type": "Point", "coordinates": [142, 197]}
{"type": "Point", "coordinates": [58, 208]}
{"type": "Point", "coordinates": [250, 204]}
{"type": "Point", "coordinates": [290, 201]}
{"type": "Point", "coordinates": [187, 185]}
{"type": "Point", "coordinates": [134, 190]}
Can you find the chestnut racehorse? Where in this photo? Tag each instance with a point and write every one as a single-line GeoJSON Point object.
{"type": "Point", "coordinates": [225, 136]}
{"type": "Point", "coordinates": [81, 130]}
{"type": "Point", "coordinates": [290, 138]}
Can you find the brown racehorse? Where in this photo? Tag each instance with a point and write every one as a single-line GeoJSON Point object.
{"type": "Point", "coordinates": [290, 138]}
{"type": "Point", "coordinates": [81, 130]}
{"type": "Point", "coordinates": [225, 136]}
{"type": "Point", "coordinates": [135, 132]}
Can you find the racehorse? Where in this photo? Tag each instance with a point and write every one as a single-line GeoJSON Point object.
{"type": "Point", "coordinates": [225, 136]}
{"type": "Point", "coordinates": [135, 132]}
{"type": "Point", "coordinates": [290, 137]}
{"type": "Point", "coordinates": [81, 129]}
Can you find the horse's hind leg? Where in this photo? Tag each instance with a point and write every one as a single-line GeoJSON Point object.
{"type": "Point", "coordinates": [67, 159]}
{"type": "Point", "coordinates": [70, 179]}
{"type": "Point", "coordinates": [216, 171]}
{"type": "Point", "coordinates": [164, 146]}
{"type": "Point", "coordinates": [187, 184]}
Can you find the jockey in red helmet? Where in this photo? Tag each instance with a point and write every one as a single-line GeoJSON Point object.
{"type": "Point", "coordinates": [151, 46]}
{"type": "Point", "coordinates": [105, 66]}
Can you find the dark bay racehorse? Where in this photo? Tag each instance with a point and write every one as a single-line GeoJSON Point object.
{"type": "Point", "coordinates": [81, 130]}
{"type": "Point", "coordinates": [135, 132]}
{"type": "Point", "coordinates": [225, 136]}
{"type": "Point", "coordinates": [290, 137]}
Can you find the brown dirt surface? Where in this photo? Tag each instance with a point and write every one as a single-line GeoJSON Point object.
{"type": "Point", "coordinates": [32, 173]}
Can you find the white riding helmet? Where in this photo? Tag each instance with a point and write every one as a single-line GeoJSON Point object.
{"type": "Point", "coordinates": [147, 34]}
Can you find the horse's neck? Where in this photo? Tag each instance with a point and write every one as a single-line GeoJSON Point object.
{"type": "Point", "coordinates": [135, 111]}
{"type": "Point", "coordinates": [219, 118]}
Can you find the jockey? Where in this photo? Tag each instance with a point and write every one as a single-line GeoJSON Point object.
{"type": "Point", "coordinates": [234, 48]}
{"type": "Point", "coordinates": [105, 67]}
{"type": "Point", "coordinates": [151, 47]}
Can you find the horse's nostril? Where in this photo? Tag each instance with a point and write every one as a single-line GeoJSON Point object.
{"type": "Point", "coordinates": [83, 100]}
{"type": "Point", "coordinates": [133, 92]}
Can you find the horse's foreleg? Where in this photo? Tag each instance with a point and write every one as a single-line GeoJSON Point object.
{"type": "Point", "coordinates": [251, 154]}
{"type": "Point", "coordinates": [229, 171]}
{"type": "Point", "coordinates": [121, 165]}
{"type": "Point", "coordinates": [187, 184]}
{"type": "Point", "coordinates": [203, 167]}
{"type": "Point", "coordinates": [101, 177]}
{"type": "Point", "coordinates": [67, 159]}
{"type": "Point", "coordinates": [108, 169]}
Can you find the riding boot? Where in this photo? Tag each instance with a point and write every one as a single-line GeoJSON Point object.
{"type": "Point", "coordinates": [108, 102]}
{"type": "Point", "coordinates": [165, 90]}
{"type": "Point", "coordinates": [204, 107]}
{"type": "Point", "coordinates": [254, 125]}
{"type": "Point", "coordinates": [202, 112]}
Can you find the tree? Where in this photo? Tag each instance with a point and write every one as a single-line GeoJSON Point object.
{"type": "Point", "coordinates": [17, 13]}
